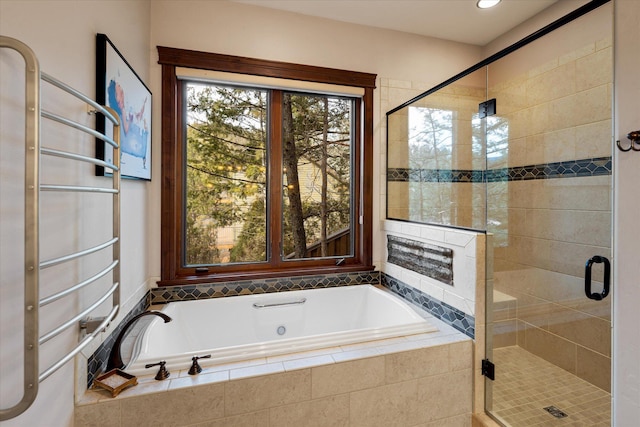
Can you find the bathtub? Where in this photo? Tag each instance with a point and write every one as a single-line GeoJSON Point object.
{"type": "Point", "coordinates": [247, 327]}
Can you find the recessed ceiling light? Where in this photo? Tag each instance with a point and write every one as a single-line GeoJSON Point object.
{"type": "Point", "coordinates": [486, 4]}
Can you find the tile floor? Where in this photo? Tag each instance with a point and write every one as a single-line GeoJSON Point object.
{"type": "Point", "coordinates": [525, 384]}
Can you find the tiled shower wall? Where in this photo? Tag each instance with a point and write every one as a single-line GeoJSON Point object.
{"type": "Point", "coordinates": [554, 209]}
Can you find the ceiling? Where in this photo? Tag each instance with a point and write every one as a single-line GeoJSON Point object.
{"type": "Point", "coordinates": [457, 20]}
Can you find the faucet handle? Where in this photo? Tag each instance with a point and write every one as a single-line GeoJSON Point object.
{"type": "Point", "coordinates": [195, 367]}
{"type": "Point", "coordinates": [162, 374]}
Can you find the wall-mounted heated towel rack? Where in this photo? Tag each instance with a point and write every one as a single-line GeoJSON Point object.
{"type": "Point", "coordinates": [33, 374]}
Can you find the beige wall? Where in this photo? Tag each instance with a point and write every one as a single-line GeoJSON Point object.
{"type": "Point", "coordinates": [62, 35]}
{"type": "Point", "coordinates": [238, 29]}
{"type": "Point", "coordinates": [546, 17]}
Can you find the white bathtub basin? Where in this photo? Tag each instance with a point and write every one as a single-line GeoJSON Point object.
{"type": "Point", "coordinates": [253, 326]}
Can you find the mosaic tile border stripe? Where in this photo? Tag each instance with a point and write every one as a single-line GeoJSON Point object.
{"type": "Point", "coordinates": [443, 311]}
{"type": "Point", "coordinates": [569, 169]}
{"type": "Point", "coordinates": [167, 294]}
{"type": "Point", "coordinates": [434, 175]}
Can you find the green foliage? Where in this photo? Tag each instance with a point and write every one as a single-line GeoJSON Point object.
{"type": "Point", "coordinates": [226, 163]}
{"type": "Point", "coordinates": [250, 245]}
{"type": "Point", "coordinates": [322, 132]}
{"type": "Point", "coordinates": [227, 170]}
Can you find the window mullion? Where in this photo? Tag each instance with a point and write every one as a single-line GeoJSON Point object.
{"type": "Point", "coordinates": [275, 193]}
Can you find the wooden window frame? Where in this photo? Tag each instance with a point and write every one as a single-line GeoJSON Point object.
{"type": "Point", "coordinates": [172, 270]}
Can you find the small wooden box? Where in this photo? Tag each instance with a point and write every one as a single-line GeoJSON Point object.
{"type": "Point", "coordinates": [115, 381]}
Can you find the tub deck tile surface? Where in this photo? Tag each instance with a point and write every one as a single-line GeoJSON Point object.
{"type": "Point", "coordinates": [283, 363]}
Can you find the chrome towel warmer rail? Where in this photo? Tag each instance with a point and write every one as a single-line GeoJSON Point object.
{"type": "Point", "coordinates": [32, 263]}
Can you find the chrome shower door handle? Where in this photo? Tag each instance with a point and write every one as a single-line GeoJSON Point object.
{"type": "Point", "coordinates": [606, 282]}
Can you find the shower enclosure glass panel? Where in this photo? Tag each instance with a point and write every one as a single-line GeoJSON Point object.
{"type": "Point", "coordinates": [549, 200]}
{"type": "Point", "coordinates": [436, 157]}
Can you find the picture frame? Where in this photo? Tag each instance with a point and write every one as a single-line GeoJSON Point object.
{"type": "Point", "coordinates": [118, 86]}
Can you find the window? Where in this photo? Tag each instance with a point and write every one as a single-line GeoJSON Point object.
{"type": "Point", "coordinates": [266, 172]}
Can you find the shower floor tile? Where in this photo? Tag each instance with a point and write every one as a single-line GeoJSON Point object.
{"type": "Point", "coordinates": [526, 384]}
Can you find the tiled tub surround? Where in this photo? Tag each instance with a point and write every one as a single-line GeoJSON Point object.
{"type": "Point", "coordinates": [97, 361]}
{"type": "Point", "coordinates": [462, 304]}
{"type": "Point", "coordinates": [417, 380]}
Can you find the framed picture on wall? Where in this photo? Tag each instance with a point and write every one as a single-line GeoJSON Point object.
{"type": "Point", "coordinates": [119, 87]}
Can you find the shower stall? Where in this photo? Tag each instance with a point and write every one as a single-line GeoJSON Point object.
{"type": "Point", "coordinates": [520, 147]}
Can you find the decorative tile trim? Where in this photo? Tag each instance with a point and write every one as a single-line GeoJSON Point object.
{"type": "Point", "coordinates": [568, 169]}
{"type": "Point", "coordinates": [434, 175]}
{"type": "Point", "coordinates": [429, 260]}
{"type": "Point", "coordinates": [167, 294]}
{"type": "Point", "coordinates": [443, 311]}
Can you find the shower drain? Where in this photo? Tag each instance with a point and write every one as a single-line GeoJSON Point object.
{"type": "Point", "coordinates": [555, 412]}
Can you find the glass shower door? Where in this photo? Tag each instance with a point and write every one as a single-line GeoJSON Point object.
{"type": "Point", "coordinates": [549, 219]}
